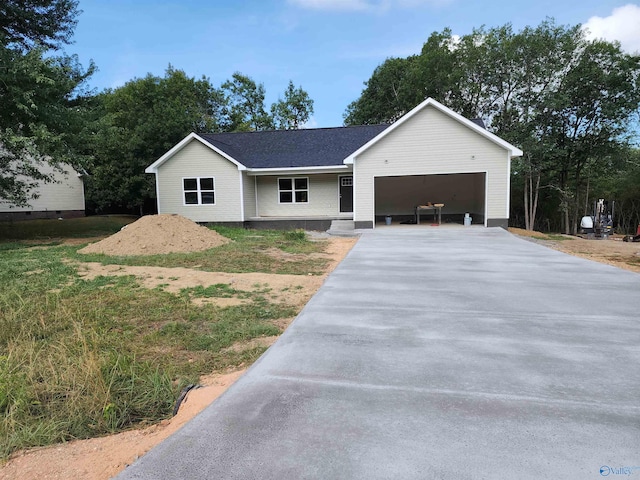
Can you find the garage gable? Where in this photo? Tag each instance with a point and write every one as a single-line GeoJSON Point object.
{"type": "Point", "coordinates": [435, 105]}
{"type": "Point", "coordinates": [433, 143]}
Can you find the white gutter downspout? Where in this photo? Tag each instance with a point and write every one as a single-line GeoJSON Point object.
{"type": "Point", "coordinates": [353, 172]}
{"type": "Point", "coordinates": [241, 196]}
{"type": "Point", "coordinates": [508, 184]}
{"type": "Point", "coordinates": [155, 174]}
{"type": "Point", "coordinates": [486, 198]}
{"type": "Point", "coordinates": [255, 194]}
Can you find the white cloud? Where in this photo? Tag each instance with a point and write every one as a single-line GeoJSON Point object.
{"type": "Point", "coordinates": [346, 5]}
{"type": "Point", "coordinates": [363, 5]}
{"type": "Point", "coordinates": [311, 123]}
{"type": "Point", "coordinates": [623, 25]}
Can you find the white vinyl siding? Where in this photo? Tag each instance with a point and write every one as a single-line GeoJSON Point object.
{"type": "Point", "coordinates": [431, 143]}
{"type": "Point", "coordinates": [66, 193]}
{"type": "Point", "coordinates": [196, 160]}
{"type": "Point", "coordinates": [323, 197]}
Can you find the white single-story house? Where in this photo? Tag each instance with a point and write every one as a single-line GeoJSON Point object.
{"type": "Point", "coordinates": [61, 198]}
{"type": "Point", "coordinates": [307, 178]}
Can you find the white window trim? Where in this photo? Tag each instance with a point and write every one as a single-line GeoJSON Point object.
{"type": "Point", "coordinates": [199, 192]}
{"type": "Point", "coordinates": [293, 191]}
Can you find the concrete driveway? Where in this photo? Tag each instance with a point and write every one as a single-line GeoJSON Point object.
{"type": "Point", "coordinates": [435, 354]}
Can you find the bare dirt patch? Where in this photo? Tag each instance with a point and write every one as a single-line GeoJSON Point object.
{"type": "Point", "coordinates": [158, 234]}
{"type": "Point", "coordinates": [291, 289]}
{"type": "Point", "coordinates": [283, 323]}
{"type": "Point", "coordinates": [253, 343]}
{"type": "Point", "coordinates": [612, 251]}
{"type": "Point", "coordinates": [103, 458]}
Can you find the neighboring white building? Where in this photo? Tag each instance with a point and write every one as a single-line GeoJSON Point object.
{"type": "Point", "coordinates": [307, 178]}
{"type": "Point", "coordinates": [63, 198]}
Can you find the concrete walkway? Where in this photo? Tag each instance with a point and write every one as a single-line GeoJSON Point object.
{"type": "Point", "coordinates": [435, 354]}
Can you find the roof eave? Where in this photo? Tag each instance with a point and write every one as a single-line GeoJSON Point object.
{"type": "Point", "coordinates": [516, 152]}
{"type": "Point", "coordinates": [297, 170]}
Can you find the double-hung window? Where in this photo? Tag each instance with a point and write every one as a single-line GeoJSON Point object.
{"type": "Point", "coordinates": [293, 190]}
{"type": "Point", "coordinates": [199, 191]}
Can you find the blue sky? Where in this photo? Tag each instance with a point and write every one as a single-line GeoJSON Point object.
{"type": "Point", "coordinates": [329, 47]}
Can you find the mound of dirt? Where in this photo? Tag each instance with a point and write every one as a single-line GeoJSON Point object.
{"type": "Point", "coordinates": [158, 234]}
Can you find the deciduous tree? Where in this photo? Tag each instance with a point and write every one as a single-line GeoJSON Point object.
{"type": "Point", "coordinates": [44, 23]}
{"type": "Point", "coordinates": [41, 95]}
{"type": "Point", "coordinates": [294, 110]}
{"type": "Point", "coordinates": [244, 108]}
{"type": "Point", "coordinates": [137, 124]}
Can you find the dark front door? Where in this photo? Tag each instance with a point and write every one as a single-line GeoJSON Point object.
{"type": "Point", "coordinates": [346, 193]}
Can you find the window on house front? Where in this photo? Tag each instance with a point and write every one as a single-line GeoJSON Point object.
{"type": "Point", "coordinates": [199, 191]}
{"type": "Point", "coordinates": [293, 190]}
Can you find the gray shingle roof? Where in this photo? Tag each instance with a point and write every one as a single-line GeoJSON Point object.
{"type": "Point", "coordinates": [318, 147]}
{"type": "Point", "coordinates": [479, 122]}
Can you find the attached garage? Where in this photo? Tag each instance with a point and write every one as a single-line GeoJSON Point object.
{"type": "Point", "coordinates": [434, 155]}
{"type": "Point", "coordinates": [461, 193]}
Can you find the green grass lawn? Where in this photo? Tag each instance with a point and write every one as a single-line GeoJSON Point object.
{"type": "Point", "coordinates": [82, 358]}
{"type": "Point", "coordinates": [46, 229]}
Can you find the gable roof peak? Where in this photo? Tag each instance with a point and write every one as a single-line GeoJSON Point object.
{"type": "Point", "coordinates": [430, 102]}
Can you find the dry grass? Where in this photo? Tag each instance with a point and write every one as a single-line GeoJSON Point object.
{"type": "Point", "coordinates": [85, 357]}
{"type": "Point", "coordinates": [612, 251]}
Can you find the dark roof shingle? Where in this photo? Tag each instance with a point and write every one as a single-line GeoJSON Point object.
{"type": "Point", "coordinates": [318, 147]}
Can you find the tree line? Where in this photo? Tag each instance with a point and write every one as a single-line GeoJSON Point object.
{"type": "Point", "coordinates": [570, 103]}
{"type": "Point", "coordinates": [132, 126]}
{"type": "Point", "coordinates": [49, 115]}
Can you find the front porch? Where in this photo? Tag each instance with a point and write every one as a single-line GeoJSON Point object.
{"type": "Point", "coordinates": [319, 223]}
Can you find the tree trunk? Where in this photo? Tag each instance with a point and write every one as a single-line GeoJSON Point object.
{"type": "Point", "coordinates": [564, 201]}
{"type": "Point", "coordinates": [586, 200]}
{"type": "Point", "coordinates": [574, 213]}
{"type": "Point", "coordinates": [531, 195]}
{"type": "Point", "coordinates": [527, 180]}
{"type": "Point", "coordinates": [534, 207]}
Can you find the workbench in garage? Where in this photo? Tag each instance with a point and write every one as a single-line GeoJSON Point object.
{"type": "Point", "coordinates": [435, 208]}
